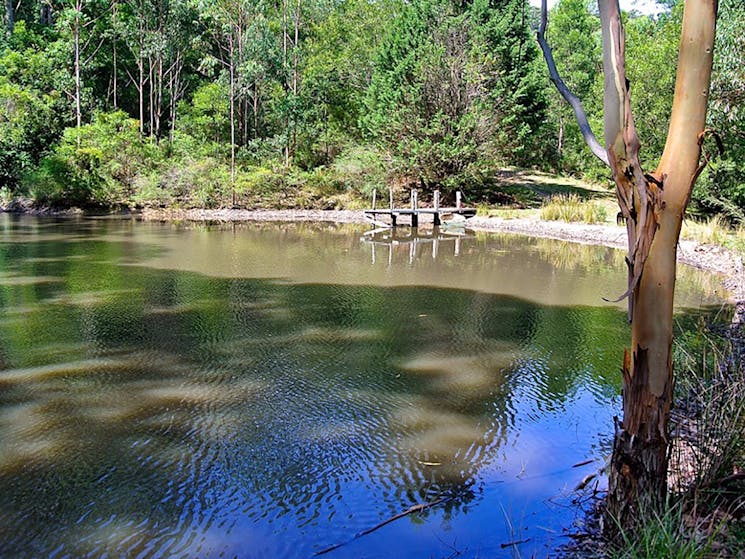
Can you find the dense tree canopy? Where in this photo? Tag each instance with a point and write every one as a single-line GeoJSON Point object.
{"type": "Point", "coordinates": [244, 102]}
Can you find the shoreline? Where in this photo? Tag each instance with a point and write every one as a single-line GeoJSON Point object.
{"type": "Point", "coordinates": [710, 258]}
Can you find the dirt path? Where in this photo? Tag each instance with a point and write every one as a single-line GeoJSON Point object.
{"type": "Point", "coordinates": [706, 257]}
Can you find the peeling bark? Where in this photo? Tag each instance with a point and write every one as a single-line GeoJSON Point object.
{"type": "Point", "coordinates": [653, 205]}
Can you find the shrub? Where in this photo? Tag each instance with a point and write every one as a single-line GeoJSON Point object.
{"type": "Point", "coordinates": [94, 165]}
{"type": "Point", "coordinates": [361, 168]}
{"type": "Point", "coordinates": [204, 183]}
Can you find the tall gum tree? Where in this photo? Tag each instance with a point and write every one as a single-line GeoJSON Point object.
{"type": "Point", "coordinates": [653, 205]}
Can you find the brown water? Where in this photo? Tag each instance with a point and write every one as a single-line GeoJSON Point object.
{"type": "Point", "coordinates": [272, 390]}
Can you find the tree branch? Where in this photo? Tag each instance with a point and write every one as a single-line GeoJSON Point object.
{"type": "Point", "coordinates": [579, 112]}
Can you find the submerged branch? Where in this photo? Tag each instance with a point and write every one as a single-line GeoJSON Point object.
{"type": "Point", "coordinates": [411, 510]}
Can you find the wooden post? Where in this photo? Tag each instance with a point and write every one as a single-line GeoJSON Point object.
{"type": "Point", "coordinates": [437, 207]}
{"type": "Point", "coordinates": [414, 206]}
{"type": "Point", "coordinates": [458, 202]}
{"type": "Point", "coordinates": [390, 202]}
{"type": "Point", "coordinates": [375, 193]}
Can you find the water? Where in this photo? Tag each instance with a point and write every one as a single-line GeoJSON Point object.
{"type": "Point", "coordinates": [272, 390]}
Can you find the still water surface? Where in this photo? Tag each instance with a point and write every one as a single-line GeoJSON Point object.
{"type": "Point", "coordinates": [272, 390]}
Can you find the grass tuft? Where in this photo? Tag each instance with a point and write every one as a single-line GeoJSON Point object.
{"type": "Point", "coordinates": [572, 208]}
{"type": "Point", "coordinates": [715, 231]}
{"type": "Point", "coordinates": [665, 535]}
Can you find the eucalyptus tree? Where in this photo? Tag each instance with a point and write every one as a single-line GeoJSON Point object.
{"type": "Point", "coordinates": [9, 16]}
{"type": "Point", "coordinates": [161, 39]}
{"type": "Point", "coordinates": [653, 204]}
{"type": "Point", "coordinates": [227, 21]}
{"type": "Point", "coordinates": [78, 22]}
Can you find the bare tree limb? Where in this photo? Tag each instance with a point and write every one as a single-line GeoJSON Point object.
{"type": "Point", "coordinates": [579, 112]}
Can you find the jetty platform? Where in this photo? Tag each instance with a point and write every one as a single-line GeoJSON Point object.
{"type": "Point", "coordinates": [440, 215]}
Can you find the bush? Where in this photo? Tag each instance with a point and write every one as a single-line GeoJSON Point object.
{"type": "Point", "coordinates": [204, 183]}
{"type": "Point", "coordinates": [94, 165]}
{"type": "Point", "coordinates": [361, 168]}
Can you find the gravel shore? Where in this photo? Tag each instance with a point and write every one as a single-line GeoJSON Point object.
{"type": "Point", "coordinates": [706, 257]}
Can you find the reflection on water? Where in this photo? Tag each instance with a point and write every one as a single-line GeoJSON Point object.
{"type": "Point", "coordinates": [414, 239]}
{"type": "Point", "coordinates": [270, 391]}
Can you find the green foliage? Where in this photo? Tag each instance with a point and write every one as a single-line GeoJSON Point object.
{"type": "Point", "coordinates": [202, 183]}
{"type": "Point", "coordinates": [96, 164]}
{"type": "Point", "coordinates": [662, 535]}
{"type": "Point", "coordinates": [456, 92]}
{"type": "Point", "coordinates": [574, 35]}
{"type": "Point", "coordinates": [31, 105]}
{"type": "Point", "coordinates": [428, 93]}
{"type": "Point", "coordinates": [721, 188]}
{"type": "Point", "coordinates": [361, 168]}
{"type": "Point", "coordinates": [206, 119]}
{"type": "Point", "coordinates": [651, 62]}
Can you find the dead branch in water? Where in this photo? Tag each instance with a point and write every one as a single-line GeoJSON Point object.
{"type": "Point", "coordinates": [411, 510]}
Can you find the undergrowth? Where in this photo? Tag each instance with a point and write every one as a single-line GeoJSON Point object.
{"type": "Point", "coordinates": [705, 514]}
{"type": "Point", "coordinates": [572, 208]}
{"type": "Point", "coordinates": [715, 231]}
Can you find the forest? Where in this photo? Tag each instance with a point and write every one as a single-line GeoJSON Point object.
{"type": "Point", "coordinates": [315, 103]}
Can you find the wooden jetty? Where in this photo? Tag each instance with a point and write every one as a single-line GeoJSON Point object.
{"type": "Point", "coordinates": [439, 214]}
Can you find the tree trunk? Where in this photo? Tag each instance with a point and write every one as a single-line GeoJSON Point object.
{"type": "Point", "coordinates": [654, 206]}
{"type": "Point", "coordinates": [113, 46]}
{"type": "Point", "coordinates": [141, 69]}
{"type": "Point", "coordinates": [256, 109]}
{"type": "Point", "coordinates": [45, 13]}
{"type": "Point", "coordinates": [10, 16]}
{"type": "Point", "coordinates": [232, 121]}
{"type": "Point", "coordinates": [78, 82]}
{"type": "Point", "coordinates": [638, 474]}
{"type": "Point", "coordinates": [284, 80]}
{"type": "Point", "coordinates": [295, 77]}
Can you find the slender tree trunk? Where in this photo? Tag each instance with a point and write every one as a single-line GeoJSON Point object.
{"type": "Point", "coordinates": [150, 94]}
{"type": "Point", "coordinates": [45, 13]}
{"type": "Point", "coordinates": [141, 70]}
{"type": "Point", "coordinates": [10, 18]}
{"type": "Point", "coordinates": [295, 76]}
{"type": "Point", "coordinates": [232, 120]}
{"type": "Point", "coordinates": [256, 109]}
{"type": "Point", "coordinates": [114, 39]}
{"type": "Point", "coordinates": [174, 84]}
{"type": "Point", "coordinates": [284, 78]}
{"type": "Point", "coordinates": [78, 81]}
